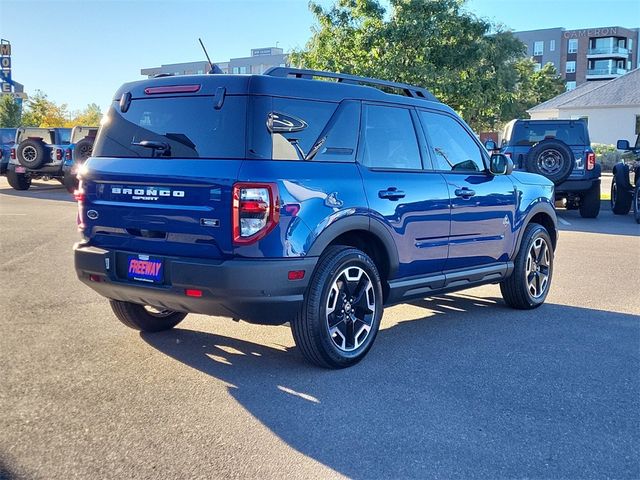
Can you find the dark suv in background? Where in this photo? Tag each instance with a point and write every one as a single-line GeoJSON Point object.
{"type": "Point", "coordinates": [625, 187]}
{"type": "Point", "coordinates": [280, 198]}
{"type": "Point", "coordinates": [561, 151]}
{"type": "Point", "coordinates": [7, 141]}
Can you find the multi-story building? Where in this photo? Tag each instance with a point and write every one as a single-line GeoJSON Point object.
{"type": "Point", "coordinates": [260, 60]}
{"type": "Point", "coordinates": [587, 54]}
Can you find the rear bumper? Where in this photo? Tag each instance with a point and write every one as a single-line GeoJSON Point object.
{"type": "Point", "coordinates": [255, 290]}
{"type": "Point", "coordinates": [46, 170]}
{"type": "Point", "coordinates": [580, 185]}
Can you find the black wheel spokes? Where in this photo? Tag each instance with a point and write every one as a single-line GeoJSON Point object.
{"type": "Point", "coordinates": [350, 308]}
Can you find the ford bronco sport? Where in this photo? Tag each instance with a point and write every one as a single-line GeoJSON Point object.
{"type": "Point", "coordinates": [561, 151]}
{"type": "Point", "coordinates": [279, 198]}
{"type": "Point", "coordinates": [38, 153]}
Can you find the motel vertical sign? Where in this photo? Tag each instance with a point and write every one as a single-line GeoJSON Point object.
{"type": "Point", "coordinates": [5, 67]}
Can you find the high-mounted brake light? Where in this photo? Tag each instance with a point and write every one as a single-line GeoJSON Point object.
{"type": "Point", "coordinates": [255, 211]}
{"type": "Point", "coordinates": [172, 89]}
{"type": "Point", "coordinates": [591, 161]}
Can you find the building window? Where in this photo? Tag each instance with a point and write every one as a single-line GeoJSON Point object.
{"type": "Point", "coordinates": [537, 67]}
{"type": "Point", "coordinates": [571, 86]}
{"type": "Point", "coordinates": [571, 67]}
{"type": "Point", "coordinates": [573, 45]}
{"type": "Point", "coordinates": [552, 45]}
{"type": "Point", "coordinates": [538, 48]}
{"type": "Point", "coordinates": [236, 70]}
{"type": "Point", "coordinates": [243, 69]}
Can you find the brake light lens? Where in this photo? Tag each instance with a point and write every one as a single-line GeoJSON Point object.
{"type": "Point", "coordinates": [79, 196]}
{"type": "Point", "coordinates": [67, 154]}
{"type": "Point", "coordinates": [58, 154]}
{"type": "Point", "coordinates": [172, 89]}
{"type": "Point", "coordinates": [256, 211]}
{"type": "Point", "coordinates": [13, 154]}
{"type": "Point", "coordinates": [591, 161]}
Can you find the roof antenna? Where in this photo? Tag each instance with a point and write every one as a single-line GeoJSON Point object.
{"type": "Point", "coordinates": [213, 68]}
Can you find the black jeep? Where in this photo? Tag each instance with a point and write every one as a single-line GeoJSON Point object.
{"type": "Point", "coordinates": [625, 192]}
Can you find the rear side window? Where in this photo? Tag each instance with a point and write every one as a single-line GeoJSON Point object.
{"type": "Point", "coordinates": [7, 136]}
{"type": "Point", "coordinates": [389, 138]}
{"type": "Point", "coordinates": [528, 134]}
{"type": "Point", "coordinates": [190, 127]}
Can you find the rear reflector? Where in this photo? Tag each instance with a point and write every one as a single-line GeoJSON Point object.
{"type": "Point", "coordinates": [190, 292]}
{"type": "Point", "coordinates": [296, 274]}
{"type": "Point", "coordinates": [172, 89]}
{"type": "Point", "coordinates": [95, 278]}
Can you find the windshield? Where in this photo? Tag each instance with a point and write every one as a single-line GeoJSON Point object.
{"type": "Point", "coordinates": [7, 136]}
{"type": "Point", "coordinates": [185, 127]}
{"type": "Point", "coordinates": [528, 133]}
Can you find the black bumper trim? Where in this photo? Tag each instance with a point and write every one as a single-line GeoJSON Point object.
{"type": "Point", "coordinates": [255, 290]}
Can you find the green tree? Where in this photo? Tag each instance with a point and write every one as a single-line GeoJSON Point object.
{"type": "Point", "coordinates": [42, 112]}
{"type": "Point", "coordinates": [9, 112]}
{"type": "Point", "coordinates": [464, 60]}
{"type": "Point", "coordinates": [89, 117]}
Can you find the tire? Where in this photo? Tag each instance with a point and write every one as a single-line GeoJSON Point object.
{"type": "Point", "coordinates": [636, 203]}
{"type": "Point", "coordinates": [590, 202]}
{"type": "Point", "coordinates": [621, 197]}
{"type": "Point", "coordinates": [70, 182]}
{"type": "Point", "coordinates": [320, 329]}
{"type": "Point", "coordinates": [142, 318]}
{"type": "Point", "coordinates": [517, 289]}
{"type": "Point", "coordinates": [552, 159]}
{"type": "Point", "coordinates": [31, 153]}
{"type": "Point", "coordinates": [18, 181]}
{"type": "Point", "coordinates": [82, 150]}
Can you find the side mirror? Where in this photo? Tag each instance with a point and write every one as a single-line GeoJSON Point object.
{"type": "Point", "coordinates": [500, 164]}
{"type": "Point", "coordinates": [490, 145]}
{"type": "Point", "coordinates": [623, 145]}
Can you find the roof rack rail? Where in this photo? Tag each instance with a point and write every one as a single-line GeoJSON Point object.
{"type": "Point", "coordinates": [408, 90]}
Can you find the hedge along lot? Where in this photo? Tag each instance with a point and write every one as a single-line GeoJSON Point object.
{"type": "Point", "coordinates": [607, 155]}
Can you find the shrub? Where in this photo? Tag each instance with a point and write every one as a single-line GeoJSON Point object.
{"type": "Point", "coordinates": [606, 155]}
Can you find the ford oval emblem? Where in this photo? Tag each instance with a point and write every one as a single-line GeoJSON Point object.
{"type": "Point", "coordinates": [92, 214]}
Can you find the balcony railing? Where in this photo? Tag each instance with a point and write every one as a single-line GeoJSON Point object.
{"type": "Point", "coordinates": [607, 71]}
{"type": "Point", "coordinates": [613, 50]}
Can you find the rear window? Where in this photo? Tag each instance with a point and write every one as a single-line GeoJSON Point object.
{"type": "Point", "coordinates": [529, 134]}
{"type": "Point", "coordinates": [42, 133]}
{"type": "Point", "coordinates": [190, 127]}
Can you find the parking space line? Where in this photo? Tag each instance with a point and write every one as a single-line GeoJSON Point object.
{"type": "Point", "coordinates": [563, 221]}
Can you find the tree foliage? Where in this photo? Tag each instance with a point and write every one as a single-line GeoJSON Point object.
{"type": "Point", "coordinates": [468, 63]}
{"type": "Point", "coordinates": [42, 112]}
{"type": "Point", "coordinates": [10, 114]}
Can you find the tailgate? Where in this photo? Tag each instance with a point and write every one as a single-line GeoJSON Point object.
{"type": "Point", "coordinates": [183, 208]}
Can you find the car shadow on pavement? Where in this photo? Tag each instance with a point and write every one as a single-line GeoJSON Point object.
{"type": "Point", "coordinates": [42, 190]}
{"type": "Point", "coordinates": [606, 223]}
{"type": "Point", "coordinates": [470, 388]}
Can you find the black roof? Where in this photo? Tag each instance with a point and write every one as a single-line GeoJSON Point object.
{"type": "Point", "coordinates": [294, 83]}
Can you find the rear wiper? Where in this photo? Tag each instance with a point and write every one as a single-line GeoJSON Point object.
{"type": "Point", "coordinates": [162, 147]}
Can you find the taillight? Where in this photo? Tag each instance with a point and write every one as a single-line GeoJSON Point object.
{"type": "Point", "coordinates": [591, 161]}
{"type": "Point", "coordinates": [256, 211]}
{"type": "Point", "coordinates": [67, 154]}
{"type": "Point", "coordinates": [80, 196]}
{"type": "Point", "coordinates": [13, 154]}
{"type": "Point", "coordinates": [58, 154]}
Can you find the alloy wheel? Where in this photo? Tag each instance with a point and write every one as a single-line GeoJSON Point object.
{"type": "Point", "coordinates": [538, 268]}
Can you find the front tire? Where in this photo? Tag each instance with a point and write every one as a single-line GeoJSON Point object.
{"type": "Point", "coordinates": [144, 318]}
{"type": "Point", "coordinates": [590, 202]}
{"type": "Point", "coordinates": [18, 181]}
{"type": "Point", "coordinates": [342, 309]}
{"type": "Point", "coordinates": [529, 284]}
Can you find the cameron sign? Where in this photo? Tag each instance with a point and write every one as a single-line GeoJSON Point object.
{"type": "Point", "coordinates": [591, 32]}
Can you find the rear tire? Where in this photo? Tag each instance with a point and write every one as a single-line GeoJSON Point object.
{"type": "Point", "coordinates": [551, 158]}
{"type": "Point", "coordinates": [636, 203]}
{"type": "Point", "coordinates": [140, 317]}
{"type": "Point", "coordinates": [18, 181]}
{"type": "Point", "coordinates": [342, 308]}
{"type": "Point", "coordinates": [529, 283]}
{"type": "Point", "coordinates": [621, 198]}
{"type": "Point", "coordinates": [590, 202]}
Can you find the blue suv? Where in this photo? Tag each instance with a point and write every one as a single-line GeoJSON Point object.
{"type": "Point", "coordinates": [280, 198]}
{"type": "Point", "coordinates": [7, 141]}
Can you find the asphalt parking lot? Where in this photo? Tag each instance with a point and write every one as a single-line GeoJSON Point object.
{"type": "Point", "coordinates": [457, 386]}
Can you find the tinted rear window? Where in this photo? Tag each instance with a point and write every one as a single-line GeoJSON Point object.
{"type": "Point", "coordinates": [528, 134]}
{"type": "Point", "coordinates": [190, 126]}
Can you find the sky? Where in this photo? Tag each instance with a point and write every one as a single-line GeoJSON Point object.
{"type": "Point", "coordinates": [81, 51]}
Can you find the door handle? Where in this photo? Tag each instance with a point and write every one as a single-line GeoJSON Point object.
{"type": "Point", "coordinates": [391, 193]}
{"type": "Point", "coordinates": [464, 192]}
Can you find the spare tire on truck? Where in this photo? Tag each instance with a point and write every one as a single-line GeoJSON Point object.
{"type": "Point", "coordinates": [83, 150]}
{"type": "Point", "coordinates": [31, 153]}
{"type": "Point", "coordinates": [551, 158]}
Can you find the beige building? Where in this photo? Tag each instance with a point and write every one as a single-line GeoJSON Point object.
{"type": "Point", "coordinates": [611, 108]}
